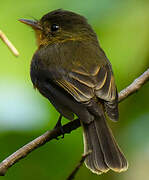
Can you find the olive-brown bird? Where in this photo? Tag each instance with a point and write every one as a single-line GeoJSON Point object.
{"type": "Point", "coordinates": [72, 71]}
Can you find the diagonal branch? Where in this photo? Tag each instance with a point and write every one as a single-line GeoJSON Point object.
{"type": "Point", "coordinates": [134, 86]}
{"type": "Point", "coordinates": [74, 172]}
{"type": "Point", "coordinates": [49, 135]}
{"type": "Point", "coordinates": [8, 43]}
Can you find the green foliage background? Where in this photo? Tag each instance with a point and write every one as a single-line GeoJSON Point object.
{"type": "Point", "coordinates": [123, 31]}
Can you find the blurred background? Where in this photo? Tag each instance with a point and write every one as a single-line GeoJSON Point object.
{"type": "Point", "coordinates": [123, 31]}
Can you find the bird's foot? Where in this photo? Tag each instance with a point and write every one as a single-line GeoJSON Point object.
{"type": "Point", "coordinates": [59, 125]}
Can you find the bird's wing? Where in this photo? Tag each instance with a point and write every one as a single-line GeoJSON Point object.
{"type": "Point", "coordinates": [83, 86]}
{"type": "Point", "coordinates": [84, 72]}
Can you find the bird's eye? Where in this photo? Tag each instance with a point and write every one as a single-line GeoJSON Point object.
{"type": "Point", "coordinates": [54, 27]}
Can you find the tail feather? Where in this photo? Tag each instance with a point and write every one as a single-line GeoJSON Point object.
{"type": "Point", "coordinates": [96, 158]}
{"type": "Point", "coordinates": [105, 154]}
{"type": "Point", "coordinates": [87, 147]}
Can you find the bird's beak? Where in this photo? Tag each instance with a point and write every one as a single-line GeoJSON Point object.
{"type": "Point", "coordinates": [32, 23]}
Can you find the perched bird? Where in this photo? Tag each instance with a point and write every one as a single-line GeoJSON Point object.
{"type": "Point", "coordinates": [72, 71]}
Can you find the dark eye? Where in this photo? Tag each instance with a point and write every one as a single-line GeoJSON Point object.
{"type": "Point", "coordinates": [54, 27]}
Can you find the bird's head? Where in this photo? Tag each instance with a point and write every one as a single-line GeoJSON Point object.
{"type": "Point", "coordinates": [59, 26]}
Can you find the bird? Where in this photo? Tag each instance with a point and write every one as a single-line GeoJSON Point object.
{"type": "Point", "coordinates": [71, 70]}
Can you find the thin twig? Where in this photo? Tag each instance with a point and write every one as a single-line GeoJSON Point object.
{"type": "Point", "coordinates": [49, 135]}
{"type": "Point", "coordinates": [134, 86]}
{"type": "Point", "coordinates": [9, 44]}
{"type": "Point", "coordinates": [39, 141]}
{"type": "Point", "coordinates": [74, 172]}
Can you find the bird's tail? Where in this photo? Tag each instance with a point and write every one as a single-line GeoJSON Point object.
{"type": "Point", "coordinates": [105, 153]}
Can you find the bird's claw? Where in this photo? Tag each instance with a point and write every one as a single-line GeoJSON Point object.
{"type": "Point", "coordinates": [59, 125]}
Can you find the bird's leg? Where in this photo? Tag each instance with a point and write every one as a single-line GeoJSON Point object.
{"type": "Point", "coordinates": [59, 125]}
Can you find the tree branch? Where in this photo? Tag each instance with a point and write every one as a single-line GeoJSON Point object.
{"type": "Point", "coordinates": [9, 44]}
{"type": "Point", "coordinates": [134, 86]}
{"type": "Point", "coordinates": [74, 172]}
{"type": "Point", "coordinates": [49, 135]}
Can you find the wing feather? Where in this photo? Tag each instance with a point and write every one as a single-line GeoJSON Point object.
{"type": "Point", "coordinates": [83, 86]}
{"type": "Point", "coordinates": [106, 88]}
